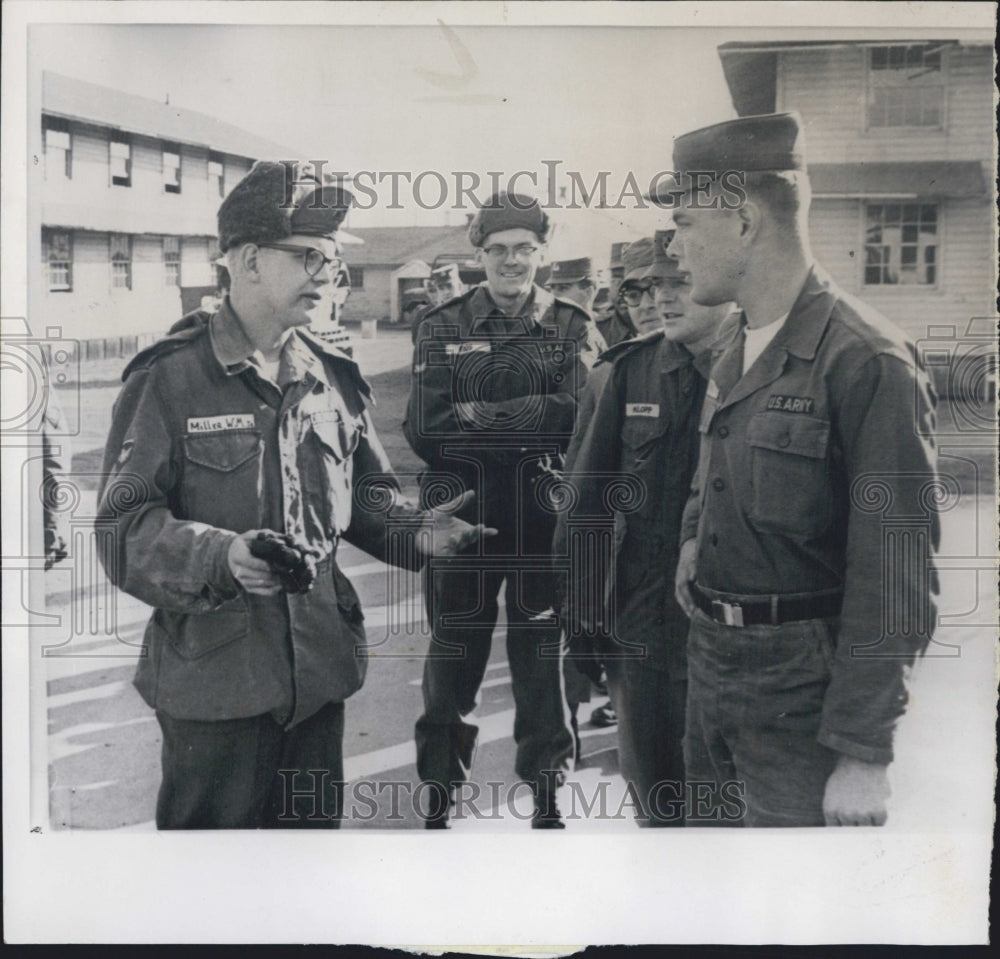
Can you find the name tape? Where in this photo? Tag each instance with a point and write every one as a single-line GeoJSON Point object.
{"type": "Point", "coordinates": [642, 409]}
{"type": "Point", "coordinates": [217, 424]}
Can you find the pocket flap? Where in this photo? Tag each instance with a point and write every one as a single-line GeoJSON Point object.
{"type": "Point", "coordinates": [223, 451]}
{"type": "Point", "coordinates": [801, 435]}
{"type": "Point", "coordinates": [337, 437]}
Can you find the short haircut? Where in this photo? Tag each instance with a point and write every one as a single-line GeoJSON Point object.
{"type": "Point", "coordinates": [785, 194]}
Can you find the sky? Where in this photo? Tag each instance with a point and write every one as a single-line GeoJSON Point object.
{"type": "Point", "coordinates": [443, 98]}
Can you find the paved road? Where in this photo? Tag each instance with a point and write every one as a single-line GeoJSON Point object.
{"type": "Point", "coordinates": [102, 743]}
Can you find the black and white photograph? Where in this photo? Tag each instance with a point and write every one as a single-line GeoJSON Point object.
{"type": "Point", "coordinates": [546, 450]}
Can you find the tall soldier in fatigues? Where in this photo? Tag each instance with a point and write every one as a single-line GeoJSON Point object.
{"type": "Point", "coordinates": [236, 449]}
{"type": "Point", "coordinates": [645, 427]}
{"type": "Point", "coordinates": [496, 377]}
{"type": "Point", "coordinates": [815, 438]}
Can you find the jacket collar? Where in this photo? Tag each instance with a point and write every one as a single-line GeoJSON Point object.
{"type": "Point", "coordinates": [808, 317]}
{"type": "Point", "coordinates": [233, 350]}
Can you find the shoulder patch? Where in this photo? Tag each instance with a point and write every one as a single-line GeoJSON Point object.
{"type": "Point", "coordinates": [184, 331]}
{"type": "Point", "coordinates": [626, 347]}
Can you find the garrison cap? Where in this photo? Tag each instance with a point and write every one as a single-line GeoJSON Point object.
{"type": "Point", "coordinates": [509, 211]}
{"type": "Point", "coordinates": [270, 203]}
{"type": "Point", "coordinates": [662, 264]}
{"type": "Point", "coordinates": [571, 271]}
{"type": "Point", "coordinates": [637, 258]}
{"type": "Point", "coordinates": [769, 142]}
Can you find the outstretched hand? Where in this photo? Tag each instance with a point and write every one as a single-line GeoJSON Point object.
{"type": "Point", "coordinates": [444, 534]}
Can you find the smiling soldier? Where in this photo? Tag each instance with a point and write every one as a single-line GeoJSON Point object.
{"type": "Point", "coordinates": [496, 377]}
{"type": "Point", "coordinates": [235, 450]}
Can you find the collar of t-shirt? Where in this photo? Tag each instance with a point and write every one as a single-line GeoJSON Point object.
{"type": "Point", "coordinates": [757, 340]}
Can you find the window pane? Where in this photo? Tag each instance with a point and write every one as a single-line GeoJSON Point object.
{"type": "Point", "coordinates": [928, 217]}
{"type": "Point", "coordinates": [171, 245]}
{"type": "Point", "coordinates": [908, 256]}
{"type": "Point", "coordinates": [879, 57]}
{"type": "Point", "coordinates": [56, 139]}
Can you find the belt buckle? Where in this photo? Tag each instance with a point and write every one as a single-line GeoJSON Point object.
{"type": "Point", "coordinates": [731, 613]}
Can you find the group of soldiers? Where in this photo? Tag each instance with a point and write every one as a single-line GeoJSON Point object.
{"type": "Point", "coordinates": [671, 492]}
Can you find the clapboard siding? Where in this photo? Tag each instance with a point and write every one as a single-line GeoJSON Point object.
{"type": "Point", "coordinates": [828, 87]}
{"type": "Point", "coordinates": [966, 280]}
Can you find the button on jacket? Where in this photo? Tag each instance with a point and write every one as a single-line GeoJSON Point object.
{"type": "Point", "coordinates": [815, 466]}
{"type": "Point", "coordinates": [203, 447]}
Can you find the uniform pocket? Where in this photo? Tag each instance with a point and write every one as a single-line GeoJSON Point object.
{"type": "Point", "coordinates": [789, 473]}
{"type": "Point", "coordinates": [194, 636]}
{"type": "Point", "coordinates": [325, 469]}
{"type": "Point", "coordinates": [222, 478]}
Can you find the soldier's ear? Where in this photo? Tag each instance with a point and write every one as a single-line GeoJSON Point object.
{"type": "Point", "coordinates": [480, 256]}
{"type": "Point", "coordinates": [248, 262]}
{"type": "Point", "coordinates": [751, 218]}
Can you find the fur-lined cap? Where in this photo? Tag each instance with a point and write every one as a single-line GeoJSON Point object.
{"type": "Point", "coordinates": [272, 202]}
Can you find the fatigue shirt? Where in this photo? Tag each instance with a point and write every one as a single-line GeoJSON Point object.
{"type": "Point", "coordinates": [815, 466]}
{"type": "Point", "coordinates": [638, 453]}
{"type": "Point", "coordinates": [201, 448]}
{"type": "Point", "coordinates": [493, 402]}
{"type": "Point", "coordinates": [616, 326]}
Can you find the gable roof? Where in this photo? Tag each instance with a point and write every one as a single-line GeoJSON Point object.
{"type": "Point", "coordinates": [80, 100]}
{"type": "Point", "coordinates": [392, 246]}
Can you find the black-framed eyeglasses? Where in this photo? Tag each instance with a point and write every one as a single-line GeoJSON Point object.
{"type": "Point", "coordinates": [522, 251]}
{"type": "Point", "coordinates": [313, 260]}
{"type": "Point", "coordinates": [634, 292]}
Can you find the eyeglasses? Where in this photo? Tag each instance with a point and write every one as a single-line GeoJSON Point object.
{"type": "Point", "coordinates": [634, 292]}
{"type": "Point", "coordinates": [523, 251]}
{"type": "Point", "coordinates": [313, 260]}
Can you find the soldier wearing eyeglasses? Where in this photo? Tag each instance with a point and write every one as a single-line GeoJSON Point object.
{"type": "Point", "coordinates": [496, 377]}
{"type": "Point", "coordinates": [236, 447]}
{"type": "Point", "coordinates": [645, 427]}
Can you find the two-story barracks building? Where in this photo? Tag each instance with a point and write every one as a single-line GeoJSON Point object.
{"type": "Point", "coordinates": [899, 137]}
{"type": "Point", "coordinates": [129, 190]}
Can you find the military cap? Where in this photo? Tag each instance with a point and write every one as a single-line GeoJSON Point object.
{"type": "Point", "coordinates": [617, 249]}
{"type": "Point", "coordinates": [769, 142]}
{"type": "Point", "coordinates": [637, 258]}
{"type": "Point", "coordinates": [509, 211]}
{"type": "Point", "coordinates": [570, 271]}
{"type": "Point", "coordinates": [270, 204]}
{"type": "Point", "coordinates": [445, 274]}
{"type": "Point", "coordinates": [663, 265]}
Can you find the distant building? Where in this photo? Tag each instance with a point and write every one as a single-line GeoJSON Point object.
{"type": "Point", "coordinates": [389, 261]}
{"type": "Point", "coordinates": [899, 137]}
{"type": "Point", "coordinates": [129, 193]}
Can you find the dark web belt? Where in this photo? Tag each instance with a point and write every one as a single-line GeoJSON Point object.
{"type": "Point", "coordinates": [770, 610]}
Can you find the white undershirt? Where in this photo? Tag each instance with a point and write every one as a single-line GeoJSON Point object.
{"type": "Point", "coordinates": [268, 368]}
{"type": "Point", "coordinates": [757, 340]}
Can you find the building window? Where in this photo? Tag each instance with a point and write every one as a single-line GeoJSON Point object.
{"type": "Point", "coordinates": [121, 162]}
{"type": "Point", "coordinates": [357, 277]}
{"type": "Point", "coordinates": [121, 261]}
{"type": "Point", "coordinates": [57, 248]}
{"type": "Point", "coordinates": [905, 86]}
{"type": "Point", "coordinates": [58, 148]}
{"type": "Point", "coordinates": [171, 168]}
{"type": "Point", "coordinates": [901, 244]}
{"type": "Point", "coordinates": [172, 260]}
{"type": "Point", "coordinates": [216, 176]}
